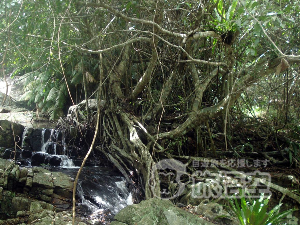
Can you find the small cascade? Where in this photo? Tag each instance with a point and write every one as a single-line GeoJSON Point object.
{"type": "Point", "coordinates": [63, 140]}
{"type": "Point", "coordinates": [102, 194]}
{"type": "Point", "coordinates": [43, 140]}
{"type": "Point", "coordinates": [67, 162]}
{"type": "Point", "coordinates": [24, 135]}
{"type": "Point", "coordinates": [49, 146]}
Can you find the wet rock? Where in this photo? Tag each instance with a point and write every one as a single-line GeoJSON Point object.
{"type": "Point", "coordinates": [26, 154]}
{"type": "Point", "coordinates": [156, 211]}
{"type": "Point", "coordinates": [35, 138]}
{"type": "Point", "coordinates": [38, 182]}
{"type": "Point", "coordinates": [11, 154]}
{"type": "Point", "coordinates": [47, 135]}
{"type": "Point", "coordinates": [38, 159]}
{"type": "Point", "coordinates": [61, 203]}
{"type": "Point", "coordinates": [49, 148]}
{"type": "Point", "coordinates": [10, 134]}
{"type": "Point", "coordinates": [26, 138]}
{"type": "Point", "coordinates": [26, 193]}
{"type": "Point", "coordinates": [54, 160]}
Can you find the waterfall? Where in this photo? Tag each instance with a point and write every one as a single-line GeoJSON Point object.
{"type": "Point", "coordinates": [66, 162]}
{"type": "Point", "coordinates": [102, 193]}
{"type": "Point", "coordinates": [49, 153]}
{"type": "Point", "coordinates": [24, 135]}
{"type": "Point", "coordinates": [43, 149]}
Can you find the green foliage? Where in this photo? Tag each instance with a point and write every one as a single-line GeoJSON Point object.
{"type": "Point", "coordinates": [225, 15]}
{"type": "Point", "coordinates": [49, 98]}
{"type": "Point", "coordinates": [294, 153]}
{"type": "Point", "coordinates": [254, 212]}
{"type": "Point", "coordinates": [41, 40]}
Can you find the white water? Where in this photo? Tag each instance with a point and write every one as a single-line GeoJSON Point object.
{"type": "Point", "coordinates": [102, 193]}
{"type": "Point", "coordinates": [129, 200]}
{"type": "Point", "coordinates": [43, 149]}
{"type": "Point", "coordinates": [66, 162]}
{"type": "Point", "coordinates": [24, 135]}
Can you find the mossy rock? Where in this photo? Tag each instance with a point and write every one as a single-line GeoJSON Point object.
{"type": "Point", "coordinates": [9, 132]}
{"type": "Point", "coordinates": [156, 211]}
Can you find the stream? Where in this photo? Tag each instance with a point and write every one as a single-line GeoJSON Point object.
{"type": "Point", "coordinates": [101, 191]}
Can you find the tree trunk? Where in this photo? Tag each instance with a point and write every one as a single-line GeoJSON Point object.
{"type": "Point", "coordinates": [126, 150]}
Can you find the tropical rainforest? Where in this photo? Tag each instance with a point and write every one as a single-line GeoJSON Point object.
{"type": "Point", "coordinates": [175, 79]}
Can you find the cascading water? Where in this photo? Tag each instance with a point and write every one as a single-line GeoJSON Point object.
{"type": "Point", "coordinates": [48, 147]}
{"type": "Point", "coordinates": [101, 192]}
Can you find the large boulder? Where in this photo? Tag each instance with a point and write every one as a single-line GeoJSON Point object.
{"type": "Point", "coordinates": [10, 134]}
{"type": "Point", "coordinates": [156, 211]}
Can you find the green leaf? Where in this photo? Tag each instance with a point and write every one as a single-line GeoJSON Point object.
{"type": "Point", "coordinates": [52, 95]}
{"type": "Point", "coordinates": [231, 10]}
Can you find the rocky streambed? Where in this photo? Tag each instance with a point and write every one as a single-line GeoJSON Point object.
{"type": "Point", "coordinates": [34, 195]}
{"type": "Point", "coordinates": [43, 197]}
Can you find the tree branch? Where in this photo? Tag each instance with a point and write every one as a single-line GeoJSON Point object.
{"type": "Point", "coordinates": [145, 79]}
{"type": "Point", "coordinates": [148, 22]}
{"type": "Point", "coordinates": [197, 117]}
{"type": "Point", "coordinates": [130, 41]}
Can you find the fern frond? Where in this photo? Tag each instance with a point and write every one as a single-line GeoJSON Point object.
{"type": "Point", "coordinates": [52, 95]}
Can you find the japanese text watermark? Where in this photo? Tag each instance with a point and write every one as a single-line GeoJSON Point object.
{"type": "Point", "coordinates": [207, 184]}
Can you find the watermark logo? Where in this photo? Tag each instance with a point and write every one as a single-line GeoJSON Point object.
{"type": "Point", "coordinates": [170, 172]}
{"type": "Point", "coordinates": [170, 177]}
{"type": "Point", "coordinates": [226, 184]}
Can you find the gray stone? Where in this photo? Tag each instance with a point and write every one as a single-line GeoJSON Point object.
{"type": "Point", "coordinates": [10, 132]}
{"type": "Point", "coordinates": [156, 211]}
{"type": "Point", "coordinates": [23, 213]}
{"type": "Point", "coordinates": [78, 111]}
{"type": "Point", "coordinates": [63, 185]}
{"type": "Point", "coordinates": [28, 182]}
{"type": "Point", "coordinates": [48, 217]}
{"type": "Point", "coordinates": [20, 204]}
{"type": "Point", "coordinates": [32, 184]}
{"type": "Point", "coordinates": [5, 169]}
{"type": "Point", "coordinates": [23, 172]}
{"type": "Point", "coordinates": [37, 206]}
{"type": "Point", "coordinates": [42, 178]}
{"type": "Point", "coordinates": [10, 221]}
{"type": "Point", "coordinates": [215, 211]}
{"type": "Point", "coordinates": [15, 173]}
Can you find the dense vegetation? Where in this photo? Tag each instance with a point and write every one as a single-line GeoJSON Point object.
{"type": "Point", "coordinates": [178, 78]}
